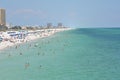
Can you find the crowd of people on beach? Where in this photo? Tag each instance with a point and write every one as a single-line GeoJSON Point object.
{"type": "Point", "coordinates": [10, 38]}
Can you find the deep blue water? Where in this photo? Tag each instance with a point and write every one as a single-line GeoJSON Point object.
{"type": "Point", "coordinates": [80, 54]}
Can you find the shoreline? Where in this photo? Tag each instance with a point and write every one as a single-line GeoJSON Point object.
{"type": "Point", "coordinates": [31, 37]}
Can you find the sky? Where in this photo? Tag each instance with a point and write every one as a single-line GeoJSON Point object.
{"type": "Point", "coordinates": [72, 13]}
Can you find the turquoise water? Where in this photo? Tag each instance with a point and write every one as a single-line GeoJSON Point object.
{"type": "Point", "coordinates": [80, 54]}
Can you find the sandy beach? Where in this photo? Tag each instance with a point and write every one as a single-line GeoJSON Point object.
{"type": "Point", "coordinates": [11, 41]}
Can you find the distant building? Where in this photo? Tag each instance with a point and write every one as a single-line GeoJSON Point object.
{"type": "Point", "coordinates": [3, 20]}
{"type": "Point", "coordinates": [49, 25]}
{"type": "Point", "coordinates": [60, 25]}
{"type": "Point", "coordinates": [24, 28]}
{"type": "Point", "coordinates": [2, 17]}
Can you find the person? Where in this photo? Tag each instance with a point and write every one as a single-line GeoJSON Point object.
{"type": "Point", "coordinates": [9, 55]}
{"type": "Point", "coordinates": [30, 45]}
{"type": "Point", "coordinates": [27, 65]}
{"type": "Point", "coordinates": [16, 47]}
{"type": "Point", "coordinates": [53, 52]}
{"type": "Point", "coordinates": [40, 66]}
{"type": "Point", "coordinates": [40, 47]}
{"type": "Point", "coordinates": [20, 53]}
{"type": "Point", "coordinates": [38, 53]}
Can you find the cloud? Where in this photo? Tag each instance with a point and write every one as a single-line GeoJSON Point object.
{"type": "Point", "coordinates": [23, 11]}
{"type": "Point", "coordinates": [29, 13]}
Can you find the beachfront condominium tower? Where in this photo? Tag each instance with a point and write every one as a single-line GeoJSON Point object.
{"type": "Point", "coordinates": [60, 25]}
{"type": "Point", "coordinates": [2, 17]}
{"type": "Point", "coordinates": [49, 25]}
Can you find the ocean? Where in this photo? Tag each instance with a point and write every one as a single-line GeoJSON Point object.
{"type": "Point", "coordinates": [78, 54]}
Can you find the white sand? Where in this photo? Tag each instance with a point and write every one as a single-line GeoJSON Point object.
{"type": "Point", "coordinates": [6, 44]}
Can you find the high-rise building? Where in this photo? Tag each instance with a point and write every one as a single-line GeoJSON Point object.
{"type": "Point", "coordinates": [2, 17]}
{"type": "Point", "coordinates": [60, 25]}
{"type": "Point", "coordinates": [49, 25]}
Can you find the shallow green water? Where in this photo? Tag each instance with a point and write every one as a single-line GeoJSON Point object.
{"type": "Point", "coordinates": [81, 54]}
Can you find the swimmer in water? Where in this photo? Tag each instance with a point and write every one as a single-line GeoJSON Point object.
{"type": "Point", "coordinates": [40, 66]}
{"type": "Point", "coordinates": [9, 55]}
{"type": "Point", "coordinates": [20, 53]}
{"type": "Point", "coordinates": [15, 47]}
{"type": "Point", "coordinates": [53, 52]}
{"type": "Point", "coordinates": [40, 47]}
{"type": "Point", "coordinates": [30, 45]}
{"type": "Point", "coordinates": [27, 65]}
{"type": "Point", "coordinates": [38, 53]}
